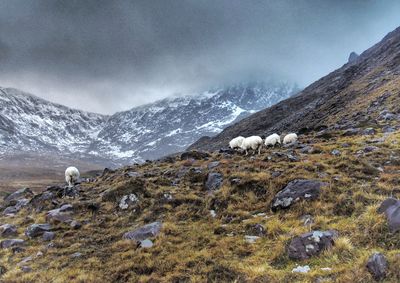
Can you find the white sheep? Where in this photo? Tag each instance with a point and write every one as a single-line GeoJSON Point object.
{"type": "Point", "coordinates": [290, 138]}
{"type": "Point", "coordinates": [253, 142]}
{"type": "Point", "coordinates": [273, 140]}
{"type": "Point", "coordinates": [236, 142]}
{"type": "Point", "coordinates": [71, 176]}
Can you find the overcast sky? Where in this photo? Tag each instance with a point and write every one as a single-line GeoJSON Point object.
{"type": "Point", "coordinates": [108, 56]}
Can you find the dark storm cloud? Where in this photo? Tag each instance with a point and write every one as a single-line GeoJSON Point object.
{"type": "Point", "coordinates": [111, 55]}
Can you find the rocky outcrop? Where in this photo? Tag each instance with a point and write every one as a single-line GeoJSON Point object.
{"type": "Point", "coordinates": [147, 231]}
{"type": "Point", "coordinates": [295, 191]}
{"type": "Point", "coordinates": [311, 244]}
{"type": "Point", "coordinates": [391, 208]}
{"type": "Point", "coordinates": [377, 265]}
{"type": "Point", "coordinates": [36, 230]}
{"type": "Point", "coordinates": [214, 181]}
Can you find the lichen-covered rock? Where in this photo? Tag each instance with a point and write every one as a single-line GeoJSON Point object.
{"type": "Point", "coordinates": [147, 231]}
{"type": "Point", "coordinates": [311, 244]}
{"type": "Point", "coordinates": [36, 230]}
{"type": "Point", "coordinates": [62, 214]}
{"type": "Point", "coordinates": [7, 230]}
{"type": "Point", "coordinates": [132, 186]}
{"type": "Point", "coordinates": [377, 265]}
{"type": "Point", "coordinates": [5, 244]}
{"type": "Point", "coordinates": [296, 190]}
{"type": "Point", "coordinates": [391, 208]}
{"type": "Point", "coordinates": [42, 201]}
{"type": "Point", "coordinates": [22, 193]}
{"type": "Point", "coordinates": [214, 181]}
{"type": "Point", "coordinates": [10, 210]}
{"type": "Point", "coordinates": [127, 201]}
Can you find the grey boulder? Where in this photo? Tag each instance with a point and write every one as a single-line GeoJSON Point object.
{"type": "Point", "coordinates": [7, 230]}
{"type": "Point", "coordinates": [391, 208]}
{"type": "Point", "coordinates": [311, 244]}
{"type": "Point", "coordinates": [11, 243]}
{"type": "Point", "coordinates": [377, 265]}
{"type": "Point", "coordinates": [214, 181]}
{"type": "Point", "coordinates": [147, 231]}
{"type": "Point", "coordinates": [36, 230]}
{"type": "Point", "coordinates": [297, 190]}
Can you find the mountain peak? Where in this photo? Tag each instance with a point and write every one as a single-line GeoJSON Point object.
{"type": "Point", "coordinates": [353, 57]}
{"type": "Point", "coordinates": [345, 98]}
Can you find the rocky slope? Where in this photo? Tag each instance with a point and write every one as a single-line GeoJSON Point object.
{"type": "Point", "coordinates": [171, 125]}
{"type": "Point", "coordinates": [29, 124]}
{"type": "Point", "coordinates": [311, 212]}
{"type": "Point", "coordinates": [363, 91]}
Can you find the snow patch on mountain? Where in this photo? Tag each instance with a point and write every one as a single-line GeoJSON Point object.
{"type": "Point", "coordinates": [31, 124]}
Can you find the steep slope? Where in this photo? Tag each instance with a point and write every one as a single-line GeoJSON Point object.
{"type": "Point", "coordinates": [211, 219]}
{"type": "Point", "coordinates": [361, 90]}
{"type": "Point", "coordinates": [31, 124]}
{"type": "Point", "coordinates": [171, 125]}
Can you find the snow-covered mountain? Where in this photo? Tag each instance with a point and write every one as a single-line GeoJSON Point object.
{"type": "Point", "coordinates": [31, 124]}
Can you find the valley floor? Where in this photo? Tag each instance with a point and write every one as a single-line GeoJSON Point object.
{"type": "Point", "coordinates": [206, 224]}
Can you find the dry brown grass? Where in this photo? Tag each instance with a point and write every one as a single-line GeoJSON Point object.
{"type": "Point", "coordinates": [194, 247]}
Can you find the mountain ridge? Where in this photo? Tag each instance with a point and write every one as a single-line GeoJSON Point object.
{"type": "Point", "coordinates": [32, 124]}
{"type": "Point", "coordinates": [321, 104]}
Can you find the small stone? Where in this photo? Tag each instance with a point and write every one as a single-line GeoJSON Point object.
{"type": "Point", "coordinates": [75, 225]}
{"type": "Point", "coordinates": [250, 239]}
{"type": "Point", "coordinates": [77, 254]}
{"type": "Point", "coordinates": [351, 132]}
{"type": "Point", "coordinates": [144, 232]}
{"type": "Point", "coordinates": [336, 152]}
{"type": "Point", "coordinates": [301, 269]}
{"type": "Point", "coordinates": [213, 213]}
{"type": "Point", "coordinates": [370, 149]}
{"type": "Point", "coordinates": [388, 129]}
{"type": "Point", "coordinates": [7, 230]}
{"type": "Point", "coordinates": [11, 210]}
{"type": "Point", "coordinates": [26, 268]}
{"type": "Point", "coordinates": [48, 236]}
{"type": "Point", "coordinates": [214, 181]}
{"type": "Point", "coordinates": [377, 265]}
{"type": "Point", "coordinates": [369, 131]}
{"type": "Point", "coordinates": [5, 244]}
{"type": "Point", "coordinates": [146, 243]}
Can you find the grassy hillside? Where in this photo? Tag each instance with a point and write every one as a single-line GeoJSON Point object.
{"type": "Point", "coordinates": [195, 245]}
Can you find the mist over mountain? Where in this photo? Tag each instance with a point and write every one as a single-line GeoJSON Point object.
{"type": "Point", "coordinates": [29, 124]}
{"type": "Point", "coordinates": [108, 56]}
